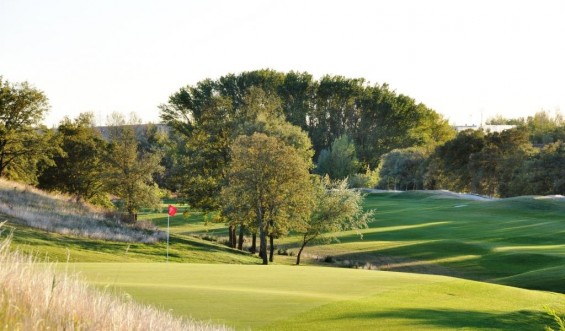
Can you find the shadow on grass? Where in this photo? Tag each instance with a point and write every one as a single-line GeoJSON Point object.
{"type": "Point", "coordinates": [456, 319]}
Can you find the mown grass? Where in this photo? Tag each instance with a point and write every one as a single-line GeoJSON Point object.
{"type": "Point", "coordinates": [37, 297]}
{"type": "Point", "coordinates": [278, 297]}
{"type": "Point", "coordinates": [513, 241]}
{"type": "Point", "coordinates": [518, 241]}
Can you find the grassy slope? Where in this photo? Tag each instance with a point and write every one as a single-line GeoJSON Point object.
{"type": "Point", "coordinates": [313, 298]}
{"type": "Point", "coordinates": [57, 247]}
{"type": "Point", "coordinates": [517, 241]}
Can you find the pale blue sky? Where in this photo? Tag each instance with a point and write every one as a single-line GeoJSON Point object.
{"type": "Point", "coordinates": [460, 58]}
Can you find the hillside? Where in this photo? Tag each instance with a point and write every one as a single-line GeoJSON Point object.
{"type": "Point", "coordinates": [60, 229]}
{"type": "Point", "coordinates": [512, 241]}
{"type": "Point", "coordinates": [516, 241]}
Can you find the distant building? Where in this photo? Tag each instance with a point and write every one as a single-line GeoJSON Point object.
{"type": "Point", "coordinates": [486, 128]}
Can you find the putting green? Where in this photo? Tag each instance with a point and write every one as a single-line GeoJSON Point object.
{"type": "Point", "coordinates": [309, 298]}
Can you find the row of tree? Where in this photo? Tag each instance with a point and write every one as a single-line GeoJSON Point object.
{"type": "Point", "coordinates": [208, 117]}
{"type": "Point", "coordinates": [263, 178]}
{"type": "Point", "coordinates": [526, 160]}
{"type": "Point", "coordinates": [75, 158]}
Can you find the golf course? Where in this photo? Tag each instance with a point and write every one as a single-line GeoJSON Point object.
{"type": "Point", "coordinates": [430, 260]}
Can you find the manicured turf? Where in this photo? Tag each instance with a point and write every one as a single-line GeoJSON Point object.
{"type": "Point", "coordinates": [518, 241]}
{"type": "Point", "coordinates": [316, 298]}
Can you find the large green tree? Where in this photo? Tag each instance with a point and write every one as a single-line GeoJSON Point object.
{"type": "Point", "coordinates": [79, 171]}
{"type": "Point", "coordinates": [24, 143]}
{"type": "Point", "coordinates": [272, 184]}
{"type": "Point", "coordinates": [497, 164]}
{"type": "Point", "coordinates": [205, 126]}
{"type": "Point", "coordinates": [129, 171]}
{"type": "Point", "coordinates": [448, 166]}
{"type": "Point", "coordinates": [374, 116]}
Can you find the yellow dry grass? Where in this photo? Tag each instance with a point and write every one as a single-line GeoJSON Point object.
{"type": "Point", "coordinates": [35, 297]}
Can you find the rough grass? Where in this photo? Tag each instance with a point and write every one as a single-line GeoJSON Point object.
{"type": "Point", "coordinates": [36, 297]}
{"type": "Point", "coordinates": [279, 297]}
{"type": "Point", "coordinates": [26, 205]}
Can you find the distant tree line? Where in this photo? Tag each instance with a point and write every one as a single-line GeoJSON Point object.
{"type": "Point", "coordinates": [526, 160]}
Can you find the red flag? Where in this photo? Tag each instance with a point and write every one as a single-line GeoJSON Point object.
{"type": "Point", "coordinates": [172, 210]}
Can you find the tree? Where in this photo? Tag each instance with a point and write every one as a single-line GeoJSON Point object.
{"type": "Point", "coordinates": [272, 184]}
{"type": "Point", "coordinates": [206, 124]}
{"type": "Point", "coordinates": [129, 173]}
{"type": "Point", "coordinates": [79, 170]}
{"type": "Point", "coordinates": [448, 166]}
{"type": "Point", "coordinates": [493, 167]}
{"type": "Point", "coordinates": [23, 142]}
{"type": "Point", "coordinates": [403, 169]}
{"type": "Point", "coordinates": [541, 174]}
{"type": "Point", "coordinates": [339, 161]}
{"type": "Point", "coordinates": [336, 209]}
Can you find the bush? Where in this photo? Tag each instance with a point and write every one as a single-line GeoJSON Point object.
{"type": "Point", "coordinates": [369, 179]}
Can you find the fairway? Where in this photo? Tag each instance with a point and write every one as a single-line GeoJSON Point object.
{"type": "Point", "coordinates": [516, 241]}
{"type": "Point", "coordinates": [315, 298]}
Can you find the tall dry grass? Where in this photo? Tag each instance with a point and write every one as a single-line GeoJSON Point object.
{"type": "Point", "coordinates": [35, 297]}
{"type": "Point", "coordinates": [61, 214]}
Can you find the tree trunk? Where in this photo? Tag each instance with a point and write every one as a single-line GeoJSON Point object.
{"type": "Point", "coordinates": [272, 244]}
{"type": "Point", "coordinates": [232, 238]}
{"type": "Point", "coordinates": [240, 241]}
{"type": "Point", "coordinates": [263, 244]}
{"type": "Point", "coordinates": [304, 242]}
{"type": "Point", "coordinates": [253, 248]}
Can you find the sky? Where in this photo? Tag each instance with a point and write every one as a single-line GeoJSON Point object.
{"type": "Point", "coordinates": [467, 60]}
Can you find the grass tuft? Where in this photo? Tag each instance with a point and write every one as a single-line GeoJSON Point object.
{"type": "Point", "coordinates": [35, 297]}
{"type": "Point", "coordinates": [29, 206]}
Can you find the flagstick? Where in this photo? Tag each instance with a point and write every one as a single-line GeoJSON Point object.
{"type": "Point", "coordinates": [168, 217]}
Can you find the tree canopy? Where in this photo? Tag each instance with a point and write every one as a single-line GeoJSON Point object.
{"type": "Point", "coordinates": [268, 183]}
{"type": "Point", "coordinates": [79, 171]}
{"type": "Point", "coordinates": [24, 143]}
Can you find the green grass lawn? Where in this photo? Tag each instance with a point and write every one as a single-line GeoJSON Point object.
{"type": "Point", "coordinates": [282, 297]}
{"type": "Point", "coordinates": [518, 241]}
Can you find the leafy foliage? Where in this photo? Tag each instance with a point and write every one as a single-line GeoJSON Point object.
{"type": "Point", "coordinates": [403, 169]}
{"type": "Point", "coordinates": [129, 173]}
{"type": "Point", "coordinates": [79, 170]}
{"type": "Point", "coordinates": [336, 208]}
{"type": "Point", "coordinates": [339, 161]}
{"type": "Point", "coordinates": [267, 184]}
{"type": "Point", "coordinates": [24, 144]}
